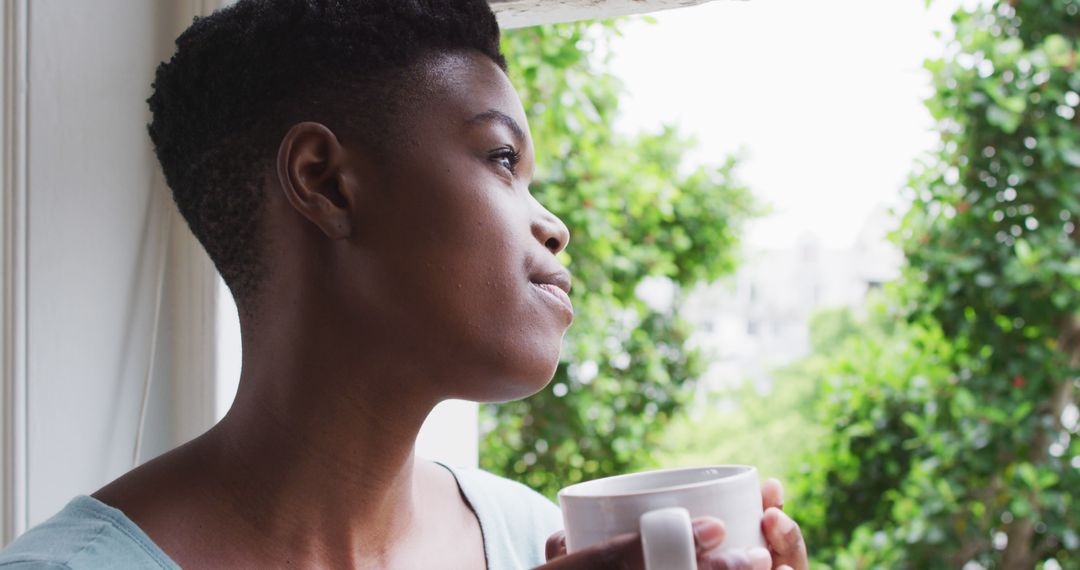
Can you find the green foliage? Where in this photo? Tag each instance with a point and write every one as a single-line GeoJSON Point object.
{"type": "Point", "coordinates": [946, 443]}
{"type": "Point", "coordinates": [885, 388]}
{"type": "Point", "coordinates": [771, 430]}
{"type": "Point", "coordinates": [743, 426]}
{"type": "Point", "coordinates": [634, 211]}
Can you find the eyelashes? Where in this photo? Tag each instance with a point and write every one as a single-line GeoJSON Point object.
{"type": "Point", "coordinates": [507, 158]}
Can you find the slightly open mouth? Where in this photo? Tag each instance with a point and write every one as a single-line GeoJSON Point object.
{"type": "Point", "coordinates": [557, 295]}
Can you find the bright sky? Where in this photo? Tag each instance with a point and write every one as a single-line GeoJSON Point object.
{"type": "Point", "coordinates": [824, 96]}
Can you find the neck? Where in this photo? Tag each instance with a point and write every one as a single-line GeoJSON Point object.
{"type": "Point", "coordinates": [317, 449]}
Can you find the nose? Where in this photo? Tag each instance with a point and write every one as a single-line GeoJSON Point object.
{"type": "Point", "coordinates": [549, 230]}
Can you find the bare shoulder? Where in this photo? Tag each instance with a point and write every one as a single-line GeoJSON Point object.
{"type": "Point", "coordinates": [155, 486]}
{"type": "Point", "coordinates": [169, 500]}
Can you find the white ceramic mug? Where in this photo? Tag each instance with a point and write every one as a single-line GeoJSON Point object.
{"type": "Point", "coordinates": [659, 505]}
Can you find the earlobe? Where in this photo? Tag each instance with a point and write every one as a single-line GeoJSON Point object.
{"type": "Point", "coordinates": [310, 165]}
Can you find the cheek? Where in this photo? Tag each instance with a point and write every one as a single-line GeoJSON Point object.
{"type": "Point", "coordinates": [476, 225]}
{"type": "Point", "coordinates": [502, 337]}
{"type": "Point", "coordinates": [450, 245]}
{"type": "Point", "coordinates": [454, 286]}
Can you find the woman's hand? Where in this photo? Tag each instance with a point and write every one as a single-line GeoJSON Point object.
{"type": "Point", "coordinates": [624, 552]}
{"type": "Point", "coordinates": [787, 550]}
{"type": "Point", "coordinates": [782, 534]}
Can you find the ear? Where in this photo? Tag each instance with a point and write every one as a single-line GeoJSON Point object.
{"type": "Point", "coordinates": [310, 169]}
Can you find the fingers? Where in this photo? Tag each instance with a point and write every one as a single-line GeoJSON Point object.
{"type": "Point", "coordinates": [709, 533]}
{"type": "Point", "coordinates": [753, 559]}
{"type": "Point", "coordinates": [556, 546]}
{"type": "Point", "coordinates": [621, 553]}
{"type": "Point", "coordinates": [784, 539]}
{"type": "Point", "coordinates": [772, 494]}
{"type": "Point", "coordinates": [625, 552]}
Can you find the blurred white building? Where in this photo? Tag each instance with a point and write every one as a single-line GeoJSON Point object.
{"type": "Point", "coordinates": [758, 320]}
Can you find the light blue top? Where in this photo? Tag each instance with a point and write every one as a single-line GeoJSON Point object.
{"type": "Point", "coordinates": [88, 534]}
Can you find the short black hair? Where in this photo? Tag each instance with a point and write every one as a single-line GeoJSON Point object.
{"type": "Point", "coordinates": [242, 76]}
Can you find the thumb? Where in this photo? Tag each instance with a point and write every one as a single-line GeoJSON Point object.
{"type": "Point", "coordinates": [556, 546]}
{"type": "Point", "coordinates": [785, 539]}
{"type": "Point", "coordinates": [622, 552]}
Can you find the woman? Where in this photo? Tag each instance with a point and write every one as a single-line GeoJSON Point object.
{"type": "Point", "coordinates": [358, 171]}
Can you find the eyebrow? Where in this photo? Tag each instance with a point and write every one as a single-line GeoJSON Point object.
{"type": "Point", "coordinates": [493, 116]}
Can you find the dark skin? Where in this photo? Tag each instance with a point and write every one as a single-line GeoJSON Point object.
{"type": "Point", "coordinates": [397, 280]}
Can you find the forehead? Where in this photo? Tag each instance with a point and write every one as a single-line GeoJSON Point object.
{"type": "Point", "coordinates": [460, 86]}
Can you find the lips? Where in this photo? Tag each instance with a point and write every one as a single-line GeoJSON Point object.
{"type": "Point", "coordinates": [555, 287]}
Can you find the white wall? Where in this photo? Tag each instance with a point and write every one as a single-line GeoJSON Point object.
{"type": "Point", "coordinates": [96, 213]}
{"type": "Point", "coordinates": [84, 217]}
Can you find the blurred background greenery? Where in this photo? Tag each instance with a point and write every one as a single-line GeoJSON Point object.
{"type": "Point", "coordinates": [936, 426]}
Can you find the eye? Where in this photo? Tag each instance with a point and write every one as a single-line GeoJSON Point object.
{"type": "Point", "coordinates": [507, 158]}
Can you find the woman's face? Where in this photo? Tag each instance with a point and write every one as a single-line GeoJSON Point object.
{"type": "Point", "coordinates": [455, 260]}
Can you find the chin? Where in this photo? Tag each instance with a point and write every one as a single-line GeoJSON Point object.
{"type": "Point", "coordinates": [521, 378]}
{"type": "Point", "coordinates": [507, 389]}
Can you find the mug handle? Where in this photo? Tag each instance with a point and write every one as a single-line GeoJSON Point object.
{"type": "Point", "coordinates": [668, 540]}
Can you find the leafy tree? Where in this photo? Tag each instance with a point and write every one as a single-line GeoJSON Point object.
{"type": "Point", "coordinates": [635, 211]}
{"type": "Point", "coordinates": [994, 256]}
{"type": "Point", "coordinates": [953, 436]}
